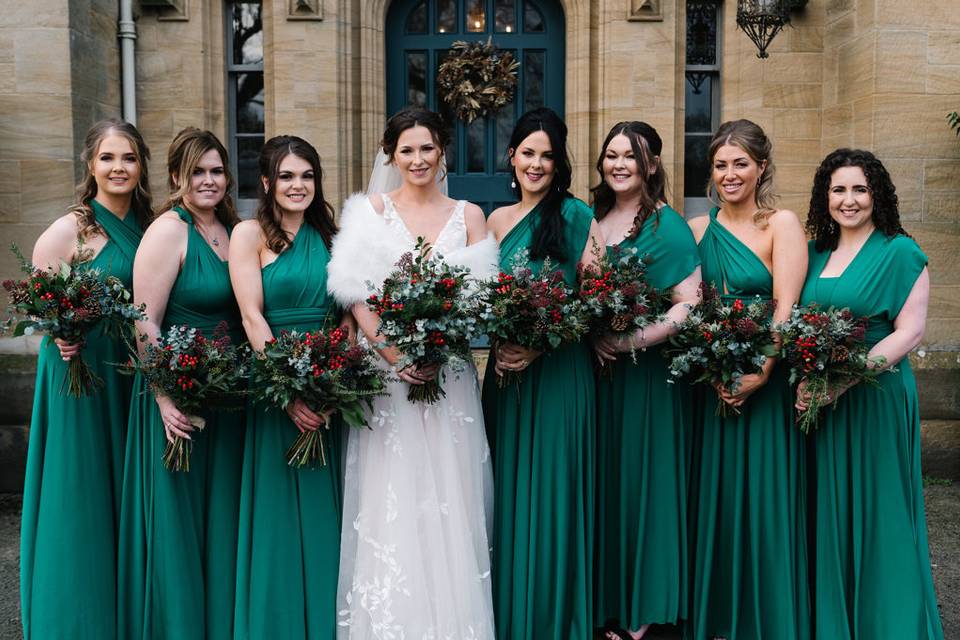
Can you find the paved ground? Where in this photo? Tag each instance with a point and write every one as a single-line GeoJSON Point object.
{"type": "Point", "coordinates": [943, 518]}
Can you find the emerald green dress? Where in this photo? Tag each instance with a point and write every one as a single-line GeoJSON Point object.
{"type": "Point", "coordinates": [71, 491]}
{"type": "Point", "coordinates": [289, 548]}
{"type": "Point", "coordinates": [541, 433]}
{"type": "Point", "coordinates": [872, 567]}
{"type": "Point", "coordinates": [749, 578]}
{"type": "Point", "coordinates": [178, 530]}
{"type": "Point", "coordinates": [642, 420]}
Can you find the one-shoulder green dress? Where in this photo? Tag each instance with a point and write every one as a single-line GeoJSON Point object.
{"type": "Point", "coordinates": [749, 579]}
{"type": "Point", "coordinates": [71, 492]}
{"type": "Point", "coordinates": [642, 420]}
{"type": "Point", "coordinates": [872, 566]}
{"type": "Point", "coordinates": [178, 530]}
{"type": "Point", "coordinates": [542, 435]}
{"type": "Point", "coordinates": [289, 542]}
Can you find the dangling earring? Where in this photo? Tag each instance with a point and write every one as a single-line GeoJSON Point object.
{"type": "Point", "coordinates": [513, 183]}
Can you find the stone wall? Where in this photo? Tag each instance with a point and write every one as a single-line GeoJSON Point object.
{"type": "Point", "coordinates": [59, 69]}
{"type": "Point", "coordinates": [891, 74]}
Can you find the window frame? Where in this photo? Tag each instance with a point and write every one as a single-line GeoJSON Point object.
{"type": "Point", "coordinates": [246, 207]}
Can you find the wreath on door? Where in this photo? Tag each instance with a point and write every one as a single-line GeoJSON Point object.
{"type": "Point", "coordinates": [476, 79]}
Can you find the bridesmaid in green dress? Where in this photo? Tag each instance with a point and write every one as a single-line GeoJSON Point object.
{"type": "Point", "coordinates": [289, 540]}
{"type": "Point", "coordinates": [749, 578]}
{"type": "Point", "coordinates": [872, 567]}
{"type": "Point", "coordinates": [642, 419]}
{"type": "Point", "coordinates": [542, 430]}
{"type": "Point", "coordinates": [68, 539]}
{"type": "Point", "coordinates": [178, 531]}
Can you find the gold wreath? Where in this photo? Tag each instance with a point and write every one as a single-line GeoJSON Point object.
{"type": "Point", "coordinates": [477, 79]}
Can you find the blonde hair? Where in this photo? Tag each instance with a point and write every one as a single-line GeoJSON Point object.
{"type": "Point", "coordinates": [186, 150]}
{"type": "Point", "coordinates": [86, 189]}
{"type": "Point", "coordinates": [750, 137]}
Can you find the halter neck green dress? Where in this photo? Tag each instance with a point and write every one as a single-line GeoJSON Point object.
{"type": "Point", "coordinates": [749, 579]}
{"type": "Point", "coordinates": [289, 549]}
{"type": "Point", "coordinates": [71, 491]}
{"type": "Point", "coordinates": [872, 566]}
{"type": "Point", "coordinates": [642, 420]}
{"type": "Point", "coordinates": [541, 433]}
{"type": "Point", "coordinates": [178, 531]}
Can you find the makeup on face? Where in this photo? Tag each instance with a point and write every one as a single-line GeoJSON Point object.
{"type": "Point", "coordinates": [735, 173]}
{"type": "Point", "coordinates": [533, 163]}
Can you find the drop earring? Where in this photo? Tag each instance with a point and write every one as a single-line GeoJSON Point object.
{"type": "Point", "coordinates": [513, 183]}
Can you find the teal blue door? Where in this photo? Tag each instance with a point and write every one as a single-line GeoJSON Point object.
{"type": "Point", "coordinates": [419, 34]}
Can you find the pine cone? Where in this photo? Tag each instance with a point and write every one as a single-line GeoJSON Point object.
{"type": "Point", "coordinates": [839, 354]}
{"type": "Point", "coordinates": [620, 322]}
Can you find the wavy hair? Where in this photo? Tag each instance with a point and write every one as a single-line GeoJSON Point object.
{"type": "Point", "coordinates": [86, 189]}
{"type": "Point", "coordinates": [646, 145]}
{"type": "Point", "coordinates": [886, 206]}
{"type": "Point", "coordinates": [750, 137]}
{"type": "Point", "coordinates": [414, 117]}
{"type": "Point", "coordinates": [548, 236]}
{"type": "Point", "coordinates": [319, 214]}
{"type": "Point", "coordinates": [184, 155]}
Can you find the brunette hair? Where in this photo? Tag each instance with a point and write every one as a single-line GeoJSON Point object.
{"type": "Point", "coordinates": [184, 155]}
{"type": "Point", "coordinates": [319, 214]}
{"type": "Point", "coordinates": [646, 145]}
{"type": "Point", "coordinates": [750, 137]}
{"type": "Point", "coordinates": [886, 208]}
{"type": "Point", "coordinates": [86, 189]}
{"type": "Point", "coordinates": [548, 236]}
{"type": "Point", "coordinates": [413, 117]}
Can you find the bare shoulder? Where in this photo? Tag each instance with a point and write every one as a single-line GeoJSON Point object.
{"type": "Point", "coordinates": [499, 214]}
{"type": "Point", "coordinates": [63, 229]}
{"type": "Point", "coordinates": [167, 227]}
{"type": "Point", "coordinates": [473, 214]}
{"type": "Point", "coordinates": [376, 201]}
{"type": "Point", "coordinates": [785, 221]}
{"type": "Point", "coordinates": [247, 231]}
{"type": "Point", "coordinates": [698, 226]}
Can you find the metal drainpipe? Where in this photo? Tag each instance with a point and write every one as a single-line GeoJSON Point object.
{"type": "Point", "coordinates": [128, 83]}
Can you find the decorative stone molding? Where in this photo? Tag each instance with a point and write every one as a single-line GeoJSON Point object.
{"type": "Point", "coordinates": [305, 10]}
{"type": "Point", "coordinates": [169, 10]}
{"type": "Point", "coordinates": [644, 11]}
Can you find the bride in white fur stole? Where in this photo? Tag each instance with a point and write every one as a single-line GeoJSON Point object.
{"type": "Point", "coordinates": [418, 489]}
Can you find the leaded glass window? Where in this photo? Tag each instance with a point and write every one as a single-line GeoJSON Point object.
{"type": "Point", "coordinates": [701, 99]}
{"type": "Point", "coordinates": [245, 98]}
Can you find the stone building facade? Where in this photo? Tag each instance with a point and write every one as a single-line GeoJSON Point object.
{"type": "Point", "coordinates": [878, 74]}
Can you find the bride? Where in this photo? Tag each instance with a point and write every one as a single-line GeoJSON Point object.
{"type": "Point", "coordinates": [414, 559]}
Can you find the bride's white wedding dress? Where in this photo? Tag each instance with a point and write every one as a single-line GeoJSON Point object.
{"type": "Point", "coordinates": [418, 489]}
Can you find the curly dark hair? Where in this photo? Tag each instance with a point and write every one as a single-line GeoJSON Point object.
{"type": "Point", "coordinates": [886, 210]}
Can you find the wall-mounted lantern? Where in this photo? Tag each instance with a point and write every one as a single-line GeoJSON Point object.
{"type": "Point", "coordinates": [762, 20]}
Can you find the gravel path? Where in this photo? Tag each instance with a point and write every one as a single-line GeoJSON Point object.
{"type": "Point", "coordinates": [943, 519]}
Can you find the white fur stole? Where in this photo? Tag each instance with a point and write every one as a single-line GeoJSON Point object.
{"type": "Point", "coordinates": [366, 249]}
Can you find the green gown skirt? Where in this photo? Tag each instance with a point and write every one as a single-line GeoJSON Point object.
{"type": "Point", "coordinates": [641, 552]}
{"type": "Point", "coordinates": [542, 435]}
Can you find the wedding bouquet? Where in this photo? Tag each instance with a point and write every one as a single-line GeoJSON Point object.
{"type": "Point", "coordinates": [426, 314]}
{"type": "Point", "coordinates": [68, 303]}
{"type": "Point", "coordinates": [719, 342]}
{"type": "Point", "coordinates": [826, 349]}
{"type": "Point", "coordinates": [198, 374]}
{"type": "Point", "coordinates": [326, 372]}
{"type": "Point", "coordinates": [617, 294]}
{"type": "Point", "coordinates": [536, 311]}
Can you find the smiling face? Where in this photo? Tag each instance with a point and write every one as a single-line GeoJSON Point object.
{"type": "Point", "coordinates": [622, 170]}
{"type": "Point", "coordinates": [295, 186]}
{"type": "Point", "coordinates": [417, 156]}
{"type": "Point", "coordinates": [533, 164]}
{"type": "Point", "coordinates": [208, 184]}
{"type": "Point", "coordinates": [850, 200]}
{"type": "Point", "coordinates": [736, 174]}
{"type": "Point", "coordinates": [115, 167]}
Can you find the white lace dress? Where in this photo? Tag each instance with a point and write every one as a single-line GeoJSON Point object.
{"type": "Point", "coordinates": [417, 504]}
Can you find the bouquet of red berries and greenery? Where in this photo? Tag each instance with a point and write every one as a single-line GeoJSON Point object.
{"type": "Point", "coordinates": [324, 370]}
{"type": "Point", "coordinates": [534, 310]}
{"type": "Point", "coordinates": [427, 315]}
{"type": "Point", "coordinates": [722, 340]}
{"type": "Point", "coordinates": [825, 349]}
{"type": "Point", "coordinates": [198, 374]}
{"type": "Point", "coordinates": [68, 303]}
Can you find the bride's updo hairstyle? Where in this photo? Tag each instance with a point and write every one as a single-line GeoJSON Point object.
{"type": "Point", "coordinates": [414, 117]}
{"type": "Point", "coordinates": [548, 236]}
{"type": "Point", "coordinates": [319, 214]}
{"type": "Point", "coordinates": [750, 137]}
